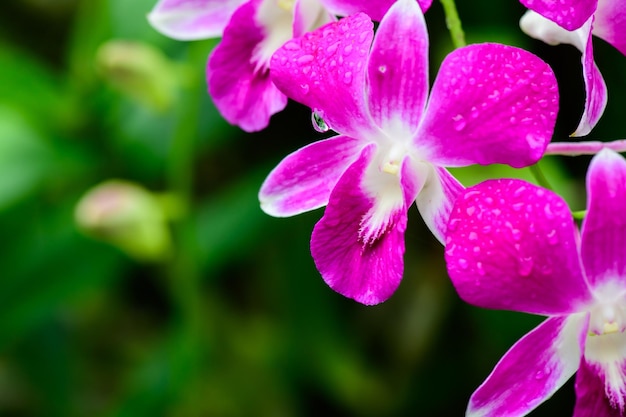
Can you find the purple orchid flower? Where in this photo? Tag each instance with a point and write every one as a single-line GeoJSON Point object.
{"type": "Point", "coordinates": [512, 245]}
{"type": "Point", "coordinates": [605, 19]}
{"type": "Point", "coordinates": [489, 104]}
{"type": "Point", "coordinates": [238, 69]}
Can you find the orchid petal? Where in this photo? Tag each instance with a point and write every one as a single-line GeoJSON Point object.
{"type": "Point", "coordinates": [610, 23]}
{"type": "Point", "coordinates": [531, 371]}
{"type": "Point", "coordinates": [331, 58]}
{"type": "Point", "coordinates": [358, 245]}
{"type": "Point", "coordinates": [376, 9]}
{"type": "Point", "coordinates": [512, 245]}
{"type": "Point", "coordinates": [591, 398]}
{"type": "Point", "coordinates": [595, 88]}
{"type": "Point", "coordinates": [604, 227]}
{"type": "Point", "coordinates": [398, 68]}
{"type": "Point", "coordinates": [490, 103]}
{"type": "Point", "coordinates": [192, 19]}
{"type": "Point", "coordinates": [239, 85]}
{"type": "Point", "coordinates": [303, 180]}
{"type": "Point", "coordinates": [308, 15]}
{"type": "Point", "coordinates": [538, 27]}
{"type": "Point", "coordinates": [436, 200]}
{"type": "Point", "coordinates": [569, 14]}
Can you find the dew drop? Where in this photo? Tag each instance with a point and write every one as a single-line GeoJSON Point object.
{"type": "Point", "coordinates": [480, 268]}
{"type": "Point", "coordinates": [348, 49]}
{"type": "Point", "coordinates": [382, 69]}
{"type": "Point", "coordinates": [517, 235]}
{"type": "Point", "coordinates": [463, 263]}
{"type": "Point", "coordinates": [347, 77]}
{"type": "Point", "coordinates": [525, 266]}
{"type": "Point", "coordinates": [459, 122]}
{"type": "Point", "coordinates": [304, 88]}
{"type": "Point", "coordinates": [305, 59]}
{"type": "Point", "coordinates": [291, 46]}
{"type": "Point", "coordinates": [332, 48]}
{"type": "Point", "coordinates": [318, 123]}
{"type": "Point", "coordinates": [548, 212]}
{"type": "Point", "coordinates": [553, 238]}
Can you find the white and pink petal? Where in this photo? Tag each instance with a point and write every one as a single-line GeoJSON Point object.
{"type": "Point", "coordinates": [569, 14]}
{"type": "Point", "coordinates": [326, 71]}
{"type": "Point", "coordinates": [308, 15]}
{"type": "Point", "coordinates": [376, 9]}
{"type": "Point", "coordinates": [358, 245]}
{"type": "Point", "coordinates": [511, 245]}
{"type": "Point", "coordinates": [591, 393]}
{"type": "Point", "coordinates": [490, 103]}
{"type": "Point", "coordinates": [595, 88]}
{"type": "Point", "coordinates": [436, 199]}
{"type": "Point", "coordinates": [604, 228]}
{"type": "Point", "coordinates": [304, 179]}
{"type": "Point", "coordinates": [610, 23]}
{"type": "Point", "coordinates": [192, 19]}
{"type": "Point", "coordinates": [239, 82]}
{"type": "Point", "coordinates": [531, 371]}
{"type": "Point", "coordinates": [398, 69]}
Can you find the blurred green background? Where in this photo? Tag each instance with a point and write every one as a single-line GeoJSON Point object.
{"type": "Point", "coordinates": [176, 296]}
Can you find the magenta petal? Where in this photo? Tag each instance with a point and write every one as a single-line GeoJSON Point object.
{"type": "Point", "coordinates": [303, 180]}
{"type": "Point", "coordinates": [512, 245]}
{"type": "Point", "coordinates": [192, 19]}
{"type": "Point", "coordinates": [376, 9]}
{"type": "Point", "coordinates": [531, 371]}
{"type": "Point", "coordinates": [366, 271]}
{"type": "Point", "coordinates": [610, 23]}
{"type": "Point", "coordinates": [569, 14]}
{"type": "Point", "coordinates": [329, 59]}
{"type": "Point", "coordinates": [398, 68]}
{"type": "Point", "coordinates": [243, 93]}
{"type": "Point", "coordinates": [490, 104]}
{"type": "Point", "coordinates": [604, 228]}
{"type": "Point", "coordinates": [591, 399]}
{"type": "Point", "coordinates": [436, 199]}
{"type": "Point", "coordinates": [595, 88]}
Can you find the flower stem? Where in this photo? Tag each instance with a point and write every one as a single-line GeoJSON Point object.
{"type": "Point", "coordinates": [538, 174]}
{"type": "Point", "coordinates": [579, 215]}
{"type": "Point", "coordinates": [584, 148]}
{"type": "Point", "coordinates": [454, 23]}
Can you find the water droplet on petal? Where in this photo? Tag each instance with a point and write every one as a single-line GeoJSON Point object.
{"type": "Point", "coordinates": [347, 77]}
{"type": "Point", "coordinates": [525, 266]}
{"type": "Point", "coordinates": [463, 263]}
{"type": "Point", "coordinates": [553, 238]}
{"type": "Point", "coordinates": [305, 59]}
{"type": "Point", "coordinates": [459, 122]}
{"type": "Point", "coordinates": [382, 69]}
{"type": "Point", "coordinates": [304, 88]}
{"type": "Point", "coordinates": [318, 123]}
{"type": "Point", "coordinates": [348, 49]}
{"type": "Point", "coordinates": [480, 268]}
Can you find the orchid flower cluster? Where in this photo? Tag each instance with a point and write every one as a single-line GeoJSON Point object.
{"type": "Point", "coordinates": [508, 244]}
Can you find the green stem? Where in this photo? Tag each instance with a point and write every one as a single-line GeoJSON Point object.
{"type": "Point", "coordinates": [454, 23]}
{"type": "Point", "coordinates": [538, 174]}
{"type": "Point", "coordinates": [579, 215]}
